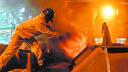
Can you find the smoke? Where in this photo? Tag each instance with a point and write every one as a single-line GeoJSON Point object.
{"type": "Point", "coordinates": [70, 16]}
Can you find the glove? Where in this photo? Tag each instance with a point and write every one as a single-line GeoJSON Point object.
{"type": "Point", "coordinates": [63, 36]}
{"type": "Point", "coordinates": [40, 62]}
{"type": "Point", "coordinates": [54, 35]}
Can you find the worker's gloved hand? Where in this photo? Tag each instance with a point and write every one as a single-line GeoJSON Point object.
{"type": "Point", "coordinates": [54, 35]}
{"type": "Point", "coordinates": [57, 34]}
{"type": "Point", "coordinates": [40, 62]}
{"type": "Point", "coordinates": [62, 36]}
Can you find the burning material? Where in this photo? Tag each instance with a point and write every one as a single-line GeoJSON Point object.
{"type": "Point", "coordinates": [71, 44]}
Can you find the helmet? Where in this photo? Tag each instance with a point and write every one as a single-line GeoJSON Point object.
{"type": "Point", "coordinates": [49, 14]}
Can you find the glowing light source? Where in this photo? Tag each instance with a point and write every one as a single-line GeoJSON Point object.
{"type": "Point", "coordinates": [121, 40]}
{"type": "Point", "coordinates": [108, 12]}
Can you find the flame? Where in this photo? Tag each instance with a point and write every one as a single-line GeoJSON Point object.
{"type": "Point", "coordinates": [73, 45]}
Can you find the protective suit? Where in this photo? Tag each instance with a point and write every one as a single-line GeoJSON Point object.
{"type": "Point", "coordinates": [26, 30]}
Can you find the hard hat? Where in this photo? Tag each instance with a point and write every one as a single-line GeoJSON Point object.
{"type": "Point", "coordinates": [49, 14]}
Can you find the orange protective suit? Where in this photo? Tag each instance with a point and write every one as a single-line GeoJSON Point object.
{"type": "Point", "coordinates": [26, 30]}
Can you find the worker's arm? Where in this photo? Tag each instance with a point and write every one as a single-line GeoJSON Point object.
{"type": "Point", "coordinates": [41, 28]}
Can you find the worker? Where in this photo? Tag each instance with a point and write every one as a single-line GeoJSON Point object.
{"type": "Point", "coordinates": [26, 31]}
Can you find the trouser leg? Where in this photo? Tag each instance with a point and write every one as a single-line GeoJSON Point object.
{"type": "Point", "coordinates": [11, 49]}
{"type": "Point", "coordinates": [12, 64]}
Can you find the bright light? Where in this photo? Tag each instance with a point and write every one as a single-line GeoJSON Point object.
{"type": "Point", "coordinates": [98, 40]}
{"type": "Point", "coordinates": [121, 40]}
{"type": "Point", "coordinates": [22, 10]}
{"type": "Point", "coordinates": [108, 12]}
